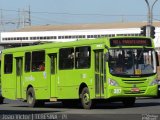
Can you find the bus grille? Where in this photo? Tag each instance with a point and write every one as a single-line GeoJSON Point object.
{"type": "Point", "coordinates": [141, 81]}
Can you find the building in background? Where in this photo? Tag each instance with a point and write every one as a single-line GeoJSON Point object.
{"type": "Point", "coordinates": [57, 33]}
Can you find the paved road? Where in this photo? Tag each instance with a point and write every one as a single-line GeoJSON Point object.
{"type": "Point", "coordinates": [144, 109]}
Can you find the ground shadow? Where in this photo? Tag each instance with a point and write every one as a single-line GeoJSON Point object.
{"type": "Point", "coordinates": [106, 105]}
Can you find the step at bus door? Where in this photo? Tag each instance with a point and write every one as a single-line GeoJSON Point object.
{"type": "Point", "coordinates": [19, 65]}
{"type": "Point", "coordinates": [99, 74]}
{"type": "Point", "coordinates": [53, 72]}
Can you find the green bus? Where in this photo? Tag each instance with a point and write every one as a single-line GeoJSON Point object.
{"type": "Point", "coordinates": [117, 68]}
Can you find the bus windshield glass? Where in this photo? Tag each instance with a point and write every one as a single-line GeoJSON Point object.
{"type": "Point", "coordinates": [132, 62]}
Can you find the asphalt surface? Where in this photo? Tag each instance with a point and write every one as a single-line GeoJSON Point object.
{"type": "Point", "coordinates": [144, 109]}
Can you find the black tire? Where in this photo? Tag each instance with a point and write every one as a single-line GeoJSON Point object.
{"type": "Point", "coordinates": [86, 102]}
{"type": "Point", "coordinates": [31, 99]}
{"type": "Point", "coordinates": [129, 102]}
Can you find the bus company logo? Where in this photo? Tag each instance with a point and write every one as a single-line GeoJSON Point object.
{"type": "Point", "coordinates": [149, 117]}
{"type": "Point", "coordinates": [30, 78]}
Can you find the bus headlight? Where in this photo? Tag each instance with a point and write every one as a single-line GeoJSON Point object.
{"type": "Point", "coordinates": [112, 82]}
{"type": "Point", "coordinates": [154, 82]}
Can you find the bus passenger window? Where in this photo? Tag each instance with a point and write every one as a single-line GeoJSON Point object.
{"type": "Point", "coordinates": [66, 58]}
{"type": "Point", "coordinates": [83, 57]}
{"type": "Point", "coordinates": [8, 62]}
{"type": "Point", "coordinates": [27, 61]}
{"type": "Point", "coordinates": [38, 61]}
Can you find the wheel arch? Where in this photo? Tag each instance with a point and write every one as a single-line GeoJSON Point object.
{"type": "Point", "coordinates": [82, 85]}
{"type": "Point", "coordinates": [29, 87]}
{"type": "Point", "coordinates": [27, 90]}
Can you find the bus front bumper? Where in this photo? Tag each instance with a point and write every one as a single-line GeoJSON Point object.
{"type": "Point", "coordinates": [149, 91]}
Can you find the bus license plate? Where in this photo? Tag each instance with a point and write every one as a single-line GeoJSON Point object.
{"type": "Point", "coordinates": [135, 90]}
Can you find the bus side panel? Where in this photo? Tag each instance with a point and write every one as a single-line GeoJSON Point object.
{"type": "Point", "coordinates": [8, 86]}
{"type": "Point", "coordinates": [66, 83]}
{"type": "Point", "coordinates": [38, 80]}
{"type": "Point", "coordinates": [69, 82]}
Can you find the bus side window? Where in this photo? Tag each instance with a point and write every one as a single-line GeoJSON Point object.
{"type": "Point", "coordinates": [8, 62]}
{"type": "Point", "coordinates": [38, 61]}
{"type": "Point", "coordinates": [83, 57]}
{"type": "Point", "coordinates": [27, 61]}
{"type": "Point", "coordinates": [66, 58]}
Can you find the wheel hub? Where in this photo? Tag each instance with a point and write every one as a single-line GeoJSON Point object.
{"type": "Point", "coordinates": [86, 98]}
{"type": "Point", "coordinates": [30, 98]}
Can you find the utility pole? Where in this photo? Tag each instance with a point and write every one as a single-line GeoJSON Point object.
{"type": "Point", "coordinates": [25, 18]}
{"type": "Point", "coordinates": [29, 18]}
{"type": "Point", "coordinates": [150, 18]}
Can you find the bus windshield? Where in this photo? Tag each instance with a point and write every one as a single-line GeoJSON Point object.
{"type": "Point", "coordinates": [132, 62]}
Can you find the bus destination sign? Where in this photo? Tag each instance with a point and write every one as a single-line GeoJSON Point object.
{"type": "Point", "coordinates": [130, 42]}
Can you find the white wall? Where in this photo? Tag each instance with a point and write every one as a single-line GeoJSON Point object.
{"type": "Point", "coordinates": [74, 32]}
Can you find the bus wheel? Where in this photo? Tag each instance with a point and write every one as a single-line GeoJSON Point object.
{"type": "Point", "coordinates": [129, 102]}
{"type": "Point", "coordinates": [31, 100]}
{"type": "Point", "coordinates": [85, 98]}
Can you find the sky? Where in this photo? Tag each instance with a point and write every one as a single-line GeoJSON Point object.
{"type": "Point", "coordinates": [50, 12]}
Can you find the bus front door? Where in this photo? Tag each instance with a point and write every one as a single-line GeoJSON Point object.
{"type": "Point", "coordinates": [18, 77]}
{"type": "Point", "coordinates": [99, 74]}
{"type": "Point", "coordinates": [53, 72]}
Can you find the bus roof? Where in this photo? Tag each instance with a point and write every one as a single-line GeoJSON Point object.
{"type": "Point", "coordinates": [81, 42]}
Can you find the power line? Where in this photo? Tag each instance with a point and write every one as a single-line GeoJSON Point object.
{"type": "Point", "coordinates": [76, 14]}
{"type": "Point", "coordinates": [24, 17]}
{"type": "Point", "coordinates": [156, 19]}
